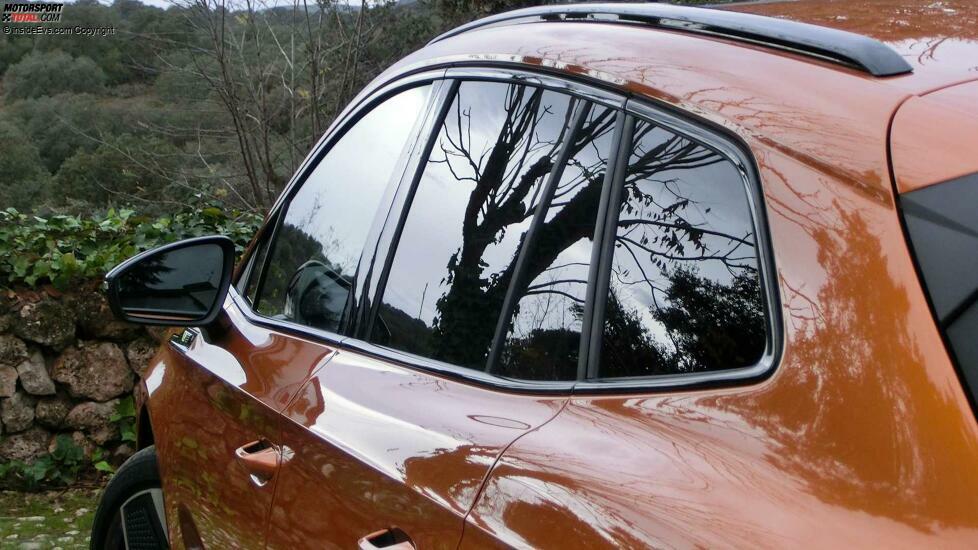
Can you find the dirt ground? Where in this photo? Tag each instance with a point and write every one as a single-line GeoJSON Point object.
{"type": "Point", "coordinates": [47, 520]}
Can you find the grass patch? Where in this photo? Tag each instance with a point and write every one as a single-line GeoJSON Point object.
{"type": "Point", "coordinates": [49, 519]}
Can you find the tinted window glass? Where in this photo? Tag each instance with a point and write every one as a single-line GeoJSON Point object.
{"type": "Point", "coordinates": [254, 273]}
{"type": "Point", "coordinates": [473, 204]}
{"type": "Point", "coordinates": [316, 250]}
{"type": "Point", "coordinates": [544, 331]}
{"type": "Point", "coordinates": [943, 230]}
{"type": "Point", "coordinates": [684, 292]}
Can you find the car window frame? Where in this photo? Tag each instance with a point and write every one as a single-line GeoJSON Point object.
{"type": "Point", "coordinates": [588, 93]}
{"type": "Point", "coordinates": [270, 229]}
{"type": "Point", "coordinates": [733, 149]}
{"type": "Point", "coordinates": [599, 92]}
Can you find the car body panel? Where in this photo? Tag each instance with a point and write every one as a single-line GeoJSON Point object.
{"type": "Point", "coordinates": [225, 389]}
{"type": "Point", "coordinates": [938, 39]}
{"type": "Point", "coordinates": [928, 135]}
{"type": "Point", "coordinates": [386, 445]}
{"type": "Point", "coordinates": [862, 436]}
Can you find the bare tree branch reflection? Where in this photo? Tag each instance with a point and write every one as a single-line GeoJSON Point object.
{"type": "Point", "coordinates": [686, 299]}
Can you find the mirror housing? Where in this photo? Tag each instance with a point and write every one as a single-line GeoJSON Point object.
{"type": "Point", "coordinates": [178, 284]}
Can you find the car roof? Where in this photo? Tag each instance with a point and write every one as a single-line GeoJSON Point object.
{"type": "Point", "coordinates": [939, 38]}
{"type": "Point", "coordinates": [829, 116]}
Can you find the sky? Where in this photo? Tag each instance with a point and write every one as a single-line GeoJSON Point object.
{"type": "Point", "coordinates": [269, 3]}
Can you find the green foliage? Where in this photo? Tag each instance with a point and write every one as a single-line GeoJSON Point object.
{"type": "Point", "coordinates": [100, 463]}
{"type": "Point", "coordinates": [44, 74]}
{"type": "Point", "coordinates": [125, 418]}
{"type": "Point", "coordinates": [59, 467]}
{"type": "Point", "coordinates": [163, 111]}
{"type": "Point", "coordinates": [460, 11]}
{"type": "Point", "coordinates": [62, 125]}
{"type": "Point", "coordinates": [12, 50]}
{"type": "Point", "coordinates": [180, 82]}
{"type": "Point", "coordinates": [24, 178]}
{"type": "Point", "coordinates": [64, 249]}
{"type": "Point", "coordinates": [125, 169]}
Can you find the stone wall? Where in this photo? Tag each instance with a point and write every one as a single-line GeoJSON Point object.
{"type": "Point", "coordinates": [65, 363]}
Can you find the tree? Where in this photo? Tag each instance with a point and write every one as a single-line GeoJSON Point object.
{"type": "Point", "coordinates": [24, 180]}
{"type": "Point", "coordinates": [461, 11]}
{"type": "Point", "coordinates": [61, 125]}
{"type": "Point", "coordinates": [45, 74]}
{"type": "Point", "coordinates": [127, 170]}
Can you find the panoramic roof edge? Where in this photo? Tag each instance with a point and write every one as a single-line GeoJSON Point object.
{"type": "Point", "coordinates": [846, 48]}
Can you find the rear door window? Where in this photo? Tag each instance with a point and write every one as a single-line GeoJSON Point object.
{"type": "Point", "coordinates": [685, 292]}
{"type": "Point", "coordinates": [543, 330]}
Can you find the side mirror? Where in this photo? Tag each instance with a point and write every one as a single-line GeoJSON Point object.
{"type": "Point", "coordinates": [182, 283]}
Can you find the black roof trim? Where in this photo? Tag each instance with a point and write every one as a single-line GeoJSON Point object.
{"type": "Point", "coordinates": [854, 50]}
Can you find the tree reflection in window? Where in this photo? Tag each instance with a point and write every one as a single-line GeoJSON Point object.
{"type": "Point", "coordinates": [543, 336]}
{"type": "Point", "coordinates": [474, 203]}
{"type": "Point", "coordinates": [684, 291]}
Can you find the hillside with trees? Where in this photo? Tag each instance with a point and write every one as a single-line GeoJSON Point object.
{"type": "Point", "coordinates": [201, 103]}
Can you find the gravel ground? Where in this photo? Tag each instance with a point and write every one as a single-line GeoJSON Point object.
{"type": "Point", "coordinates": [47, 520]}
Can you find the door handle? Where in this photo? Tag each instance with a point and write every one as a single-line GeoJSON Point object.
{"type": "Point", "coordinates": [389, 539]}
{"type": "Point", "coordinates": [260, 459]}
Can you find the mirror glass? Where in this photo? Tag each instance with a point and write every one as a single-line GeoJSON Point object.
{"type": "Point", "coordinates": [316, 296]}
{"type": "Point", "coordinates": [177, 285]}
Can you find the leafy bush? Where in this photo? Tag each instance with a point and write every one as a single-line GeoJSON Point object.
{"type": "Point", "coordinates": [126, 169]}
{"type": "Point", "coordinates": [39, 74]}
{"type": "Point", "coordinates": [62, 125]}
{"type": "Point", "coordinates": [59, 467]}
{"type": "Point", "coordinates": [24, 179]}
{"type": "Point", "coordinates": [125, 418]}
{"type": "Point", "coordinates": [64, 249]}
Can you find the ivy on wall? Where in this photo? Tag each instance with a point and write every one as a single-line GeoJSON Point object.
{"type": "Point", "coordinates": [63, 249]}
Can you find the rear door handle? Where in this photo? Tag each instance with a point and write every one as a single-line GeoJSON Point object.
{"type": "Point", "coordinates": [389, 539]}
{"type": "Point", "coordinates": [260, 459]}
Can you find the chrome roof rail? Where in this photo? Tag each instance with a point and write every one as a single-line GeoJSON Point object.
{"type": "Point", "coordinates": [846, 48]}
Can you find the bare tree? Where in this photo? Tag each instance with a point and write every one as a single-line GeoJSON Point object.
{"type": "Point", "coordinates": [278, 75]}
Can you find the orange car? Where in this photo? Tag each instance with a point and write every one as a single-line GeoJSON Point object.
{"type": "Point", "coordinates": [592, 276]}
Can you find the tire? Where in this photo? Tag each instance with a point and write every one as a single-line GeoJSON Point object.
{"type": "Point", "coordinates": [137, 487]}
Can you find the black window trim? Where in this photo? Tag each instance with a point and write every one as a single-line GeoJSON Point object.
{"type": "Point", "coordinates": [336, 131]}
{"type": "Point", "coordinates": [599, 282]}
{"type": "Point", "coordinates": [709, 134]}
{"type": "Point", "coordinates": [581, 111]}
{"type": "Point", "coordinates": [407, 186]}
{"type": "Point", "coordinates": [732, 148]}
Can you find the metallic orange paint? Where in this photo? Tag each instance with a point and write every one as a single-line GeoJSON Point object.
{"type": "Point", "coordinates": [938, 38]}
{"type": "Point", "coordinates": [386, 445]}
{"type": "Point", "coordinates": [223, 391]}
{"type": "Point", "coordinates": [862, 436]}
{"type": "Point", "coordinates": [928, 134]}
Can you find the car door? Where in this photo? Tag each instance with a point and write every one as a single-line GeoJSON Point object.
{"type": "Point", "coordinates": [633, 459]}
{"type": "Point", "coordinates": [391, 439]}
{"type": "Point", "coordinates": [220, 391]}
{"type": "Point", "coordinates": [217, 396]}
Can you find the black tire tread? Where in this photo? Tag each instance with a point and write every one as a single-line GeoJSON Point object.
{"type": "Point", "coordinates": [139, 472]}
